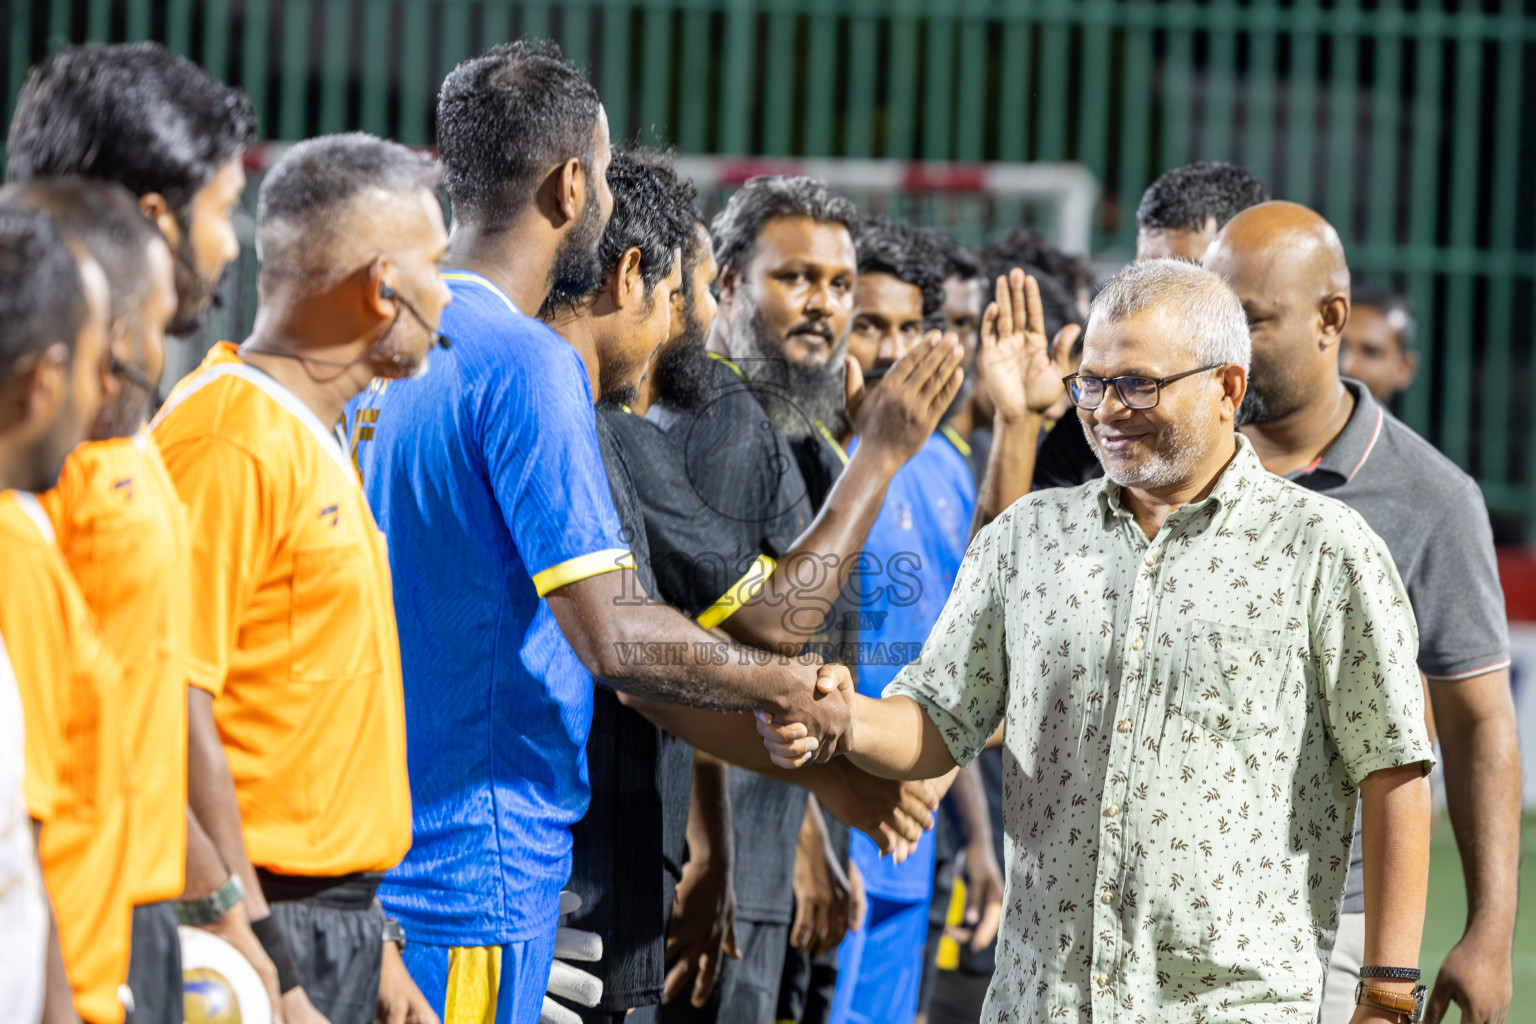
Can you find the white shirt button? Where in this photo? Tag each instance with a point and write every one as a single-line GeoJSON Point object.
{"type": "Point", "coordinates": [1136, 644]}
{"type": "Point", "coordinates": [1151, 559]}
{"type": "Point", "coordinates": [1111, 810]}
{"type": "Point", "coordinates": [1103, 980]}
{"type": "Point", "coordinates": [1124, 725]}
{"type": "Point", "coordinates": [1107, 898]}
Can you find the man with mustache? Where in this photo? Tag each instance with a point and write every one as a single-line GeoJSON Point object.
{"type": "Point", "coordinates": [514, 586]}
{"type": "Point", "coordinates": [1331, 435]}
{"type": "Point", "coordinates": [1201, 664]}
{"type": "Point", "coordinates": [779, 345]}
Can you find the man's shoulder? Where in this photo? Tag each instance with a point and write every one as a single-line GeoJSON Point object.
{"type": "Point", "coordinates": [1414, 468]}
{"type": "Point", "coordinates": [484, 330]}
{"type": "Point", "coordinates": [1315, 520]}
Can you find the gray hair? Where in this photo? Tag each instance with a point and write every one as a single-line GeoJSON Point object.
{"type": "Point", "coordinates": [305, 210]}
{"type": "Point", "coordinates": [765, 198]}
{"type": "Point", "coordinates": [1214, 323]}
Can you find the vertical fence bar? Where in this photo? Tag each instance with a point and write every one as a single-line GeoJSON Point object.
{"type": "Point", "coordinates": [1496, 370]}
{"type": "Point", "coordinates": [656, 72]}
{"type": "Point", "coordinates": [779, 82]}
{"type": "Point", "coordinates": [60, 21]}
{"type": "Point", "coordinates": [1178, 98]}
{"type": "Point", "coordinates": [21, 50]}
{"type": "Point", "coordinates": [1137, 95]}
{"type": "Point", "coordinates": [98, 20]}
{"type": "Point", "coordinates": [1051, 94]}
{"type": "Point", "coordinates": [1301, 122]}
{"type": "Point", "coordinates": [1220, 85]}
{"type": "Point", "coordinates": [737, 73]}
{"type": "Point", "coordinates": [1260, 115]}
{"type": "Point", "coordinates": [575, 29]}
{"type": "Point", "coordinates": [453, 46]}
{"type": "Point", "coordinates": [216, 42]}
{"type": "Point", "coordinates": [1013, 100]}
{"type": "Point", "coordinates": [336, 68]}
{"type": "Point", "coordinates": [293, 86]}
{"type": "Point", "coordinates": [140, 17]}
{"type": "Point", "coordinates": [1424, 203]}
{"type": "Point", "coordinates": [255, 29]}
{"type": "Point", "coordinates": [859, 117]}
{"type": "Point", "coordinates": [819, 104]}
{"type": "Point", "coordinates": [416, 91]}
{"type": "Point", "coordinates": [901, 81]}
{"type": "Point", "coordinates": [1096, 78]}
{"type": "Point", "coordinates": [1343, 117]}
{"type": "Point", "coordinates": [693, 88]}
{"type": "Point", "coordinates": [1386, 111]}
{"type": "Point", "coordinates": [495, 25]}
{"type": "Point", "coordinates": [971, 89]}
{"type": "Point", "coordinates": [534, 24]}
{"type": "Point", "coordinates": [178, 27]}
{"type": "Point", "coordinates": [615, 86]}
{"type": "Point", "coordinates": [1456, 410]}
{"type": "Point", "coordinates": [375, 65]}
{"type": "Point", "coordinates": [939, 86]}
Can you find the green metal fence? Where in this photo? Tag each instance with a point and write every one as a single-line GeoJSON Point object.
{"type": "Point", "coordinates": [1411, 125]}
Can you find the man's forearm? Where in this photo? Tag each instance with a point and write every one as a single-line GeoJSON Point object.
{"type": "Point", "coordinates": [1480, 748]}
{"type": "Point", "coordinates": [797, 596]}
{"type": "Point", "coordinates": [1010, 466]}
{"type": "Point", "coordinates": [893, 737]}
{"type": "Point", "coordinates": [968, 800]}
{"type": "Point", "coordinates": [711, 833]}
{"type": "Point", "coordinates": [211, 796]}
{"type": "Point", "coordinates": [730, 736]}
{"type": "Point", "coordinates": [1394, 837]}
{"type": "Point", "coordinates": [206, 870]}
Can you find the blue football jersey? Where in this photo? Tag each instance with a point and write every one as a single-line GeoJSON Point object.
{"type": "Point", "coordinates": [486, 478]}
{"type": "Point", "coordinates": [913, 553]}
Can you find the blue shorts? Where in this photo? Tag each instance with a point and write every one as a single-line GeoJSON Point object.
{"type": "Point", "coordinates": [484, 984]}
{"type": "Point", "coordinates": [880, 966]}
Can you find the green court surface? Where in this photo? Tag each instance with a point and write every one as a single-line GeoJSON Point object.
{"type": "Point", "coordinates": [1448, 912]}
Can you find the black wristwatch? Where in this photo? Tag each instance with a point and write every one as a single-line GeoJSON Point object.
{"type": "Point", "coordinates": [394, 932]}
{"type": "Point", "coordinates": [211, 908]}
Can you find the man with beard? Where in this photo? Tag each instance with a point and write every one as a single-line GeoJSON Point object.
{"type": "Point", "coordinates": [787, 273]}
{"type": "Point", "coordinates": [60, 769]}
{"type": "Point", "coordinates": [515, 586]}
{"type": "Point", "coordinates": [157, 124]}
{"type": "Point", "coordinates": [1330, 435]}
{"type": "Point", "coordinates": [1181, 211]}
{"type": "Point", "coordinates": [295, 636]}
{"type": "Point", "coordinates": [121, 527]}
{"type": "Point", "coordinates": [1201, 664]}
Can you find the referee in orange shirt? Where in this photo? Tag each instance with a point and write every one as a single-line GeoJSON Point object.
{"type": "Point", "coordinates": [52, 364]}
{"type": "Point", "coordinates": [295, 638]}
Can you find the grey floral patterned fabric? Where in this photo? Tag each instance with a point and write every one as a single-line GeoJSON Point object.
{"type": "Point", "coordinates": [1187, 722]}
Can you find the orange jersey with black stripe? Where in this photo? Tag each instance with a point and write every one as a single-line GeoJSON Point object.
{"type": "Point", "coordinates": [295, 626]}
{"type": "Point", "coordinates": [77, 776]}
{"type": "Point", "coordinates": [123, 531]}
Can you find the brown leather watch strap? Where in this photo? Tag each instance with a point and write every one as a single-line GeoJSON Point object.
{"type": "Point", "coordinates": [1397, 1002]}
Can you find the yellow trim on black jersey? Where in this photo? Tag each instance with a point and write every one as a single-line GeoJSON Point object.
{"type": "Point", "coordinates": [582, 567]}
{"type": "Point", "coordinates": [742, 591]}
{"type": "Point", "coordinates": [842, 454]}
{"type": "Point", "coordinates": [733, 367]}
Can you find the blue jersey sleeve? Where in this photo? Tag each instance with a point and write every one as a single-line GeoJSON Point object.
{"type": "Point", "coordinates": [538, 435]}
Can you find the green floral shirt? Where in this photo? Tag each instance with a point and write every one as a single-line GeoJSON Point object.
{"type": "Point", "coordinates": [1187, 722]}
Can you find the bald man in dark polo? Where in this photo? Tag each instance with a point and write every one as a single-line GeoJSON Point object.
{"type": "Point", "coordinates": [1327, 433]}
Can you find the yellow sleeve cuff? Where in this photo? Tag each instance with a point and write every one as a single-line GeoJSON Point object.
{"type": "Point", "coordinates": [742, 591]}
{"type": "Point", "coordinates": [581, 567]}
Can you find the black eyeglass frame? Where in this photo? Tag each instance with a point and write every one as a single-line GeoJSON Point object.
{"type": "Point", "coordinates": [1108, 382]}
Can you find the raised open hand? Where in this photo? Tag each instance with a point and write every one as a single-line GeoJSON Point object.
{"type": "Point", "coordinates": [1023, 370]}
{"type": "Point", "coordinates": [903, 409]}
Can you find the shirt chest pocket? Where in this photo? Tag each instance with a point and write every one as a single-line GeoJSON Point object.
{"type": "Point", "coordinates": [332, 627]}
{"type": "Point", "coordinates": [1233, 678]}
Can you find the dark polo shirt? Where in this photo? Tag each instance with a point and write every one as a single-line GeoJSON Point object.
{"type": "Point", "coordinates": [1432, 517]}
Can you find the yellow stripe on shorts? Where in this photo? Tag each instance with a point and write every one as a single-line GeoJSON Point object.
{"type": "Point", "coordinates": [474, 976]}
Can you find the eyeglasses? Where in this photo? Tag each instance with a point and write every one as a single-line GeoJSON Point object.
{"type": "Point", "coordinates": [1135, 392]}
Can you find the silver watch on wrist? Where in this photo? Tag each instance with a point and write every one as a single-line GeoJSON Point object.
{"type": "Point", "coordinates": [211, 908]}
{"type": "Point", "coordinates": [394, 932]}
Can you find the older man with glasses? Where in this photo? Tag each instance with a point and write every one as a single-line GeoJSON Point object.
{"type": "Point", "coordinates": [1199, 664]}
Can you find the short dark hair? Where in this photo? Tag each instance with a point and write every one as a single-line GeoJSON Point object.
{"type": "Point", "coordinates": [42, 299]}
{"type": "Point", "coordinates": [311, 185]}
{"type": "Point", "coordinates": [1057, 300]}
{"type": "Point", "coordinates": [504, 119]}
{"type": "Point", "coordinates": [105, 218]}
{"type": "Point", "coordinates": [1021, 247]}
{"type": "Point", "coordinates": [958, 260]}
{"type": "Point", "coordinates": [133, 113]}
{"type": "Point", "coordinates": [764, 198]}
{"type": "Point", "coordinates": [1396, 308]}
{"type": "Point", "coordinates": [650, 213]}
{"type": "Point", "coordinates": [907, 254]}
{"type": "Point", "coordinates": [1186, 197]}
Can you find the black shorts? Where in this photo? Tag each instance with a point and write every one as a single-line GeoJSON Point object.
{"type": "Point", "coordinates": [747, 991]}
{"type": "Point", "coordinates": [154, 966]}
{"type": "Point", "coordinates": [337, 937]}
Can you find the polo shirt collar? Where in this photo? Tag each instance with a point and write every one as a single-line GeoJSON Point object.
{"type": "Point", "coordinates": [1352, 447]}
{"type": "Point", "coordinates": [1233, 484]}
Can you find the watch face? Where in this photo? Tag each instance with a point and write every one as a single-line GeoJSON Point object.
{"type": "Point", "coordinates": [1418, 1004]}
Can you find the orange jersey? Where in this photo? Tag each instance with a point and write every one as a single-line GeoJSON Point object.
{"type": "Point", "coordinates": [77, 775]}
{"type": "Point", "coordinates": [295, 626]}
{"type": "Point", "coordinates": [123, 530]}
